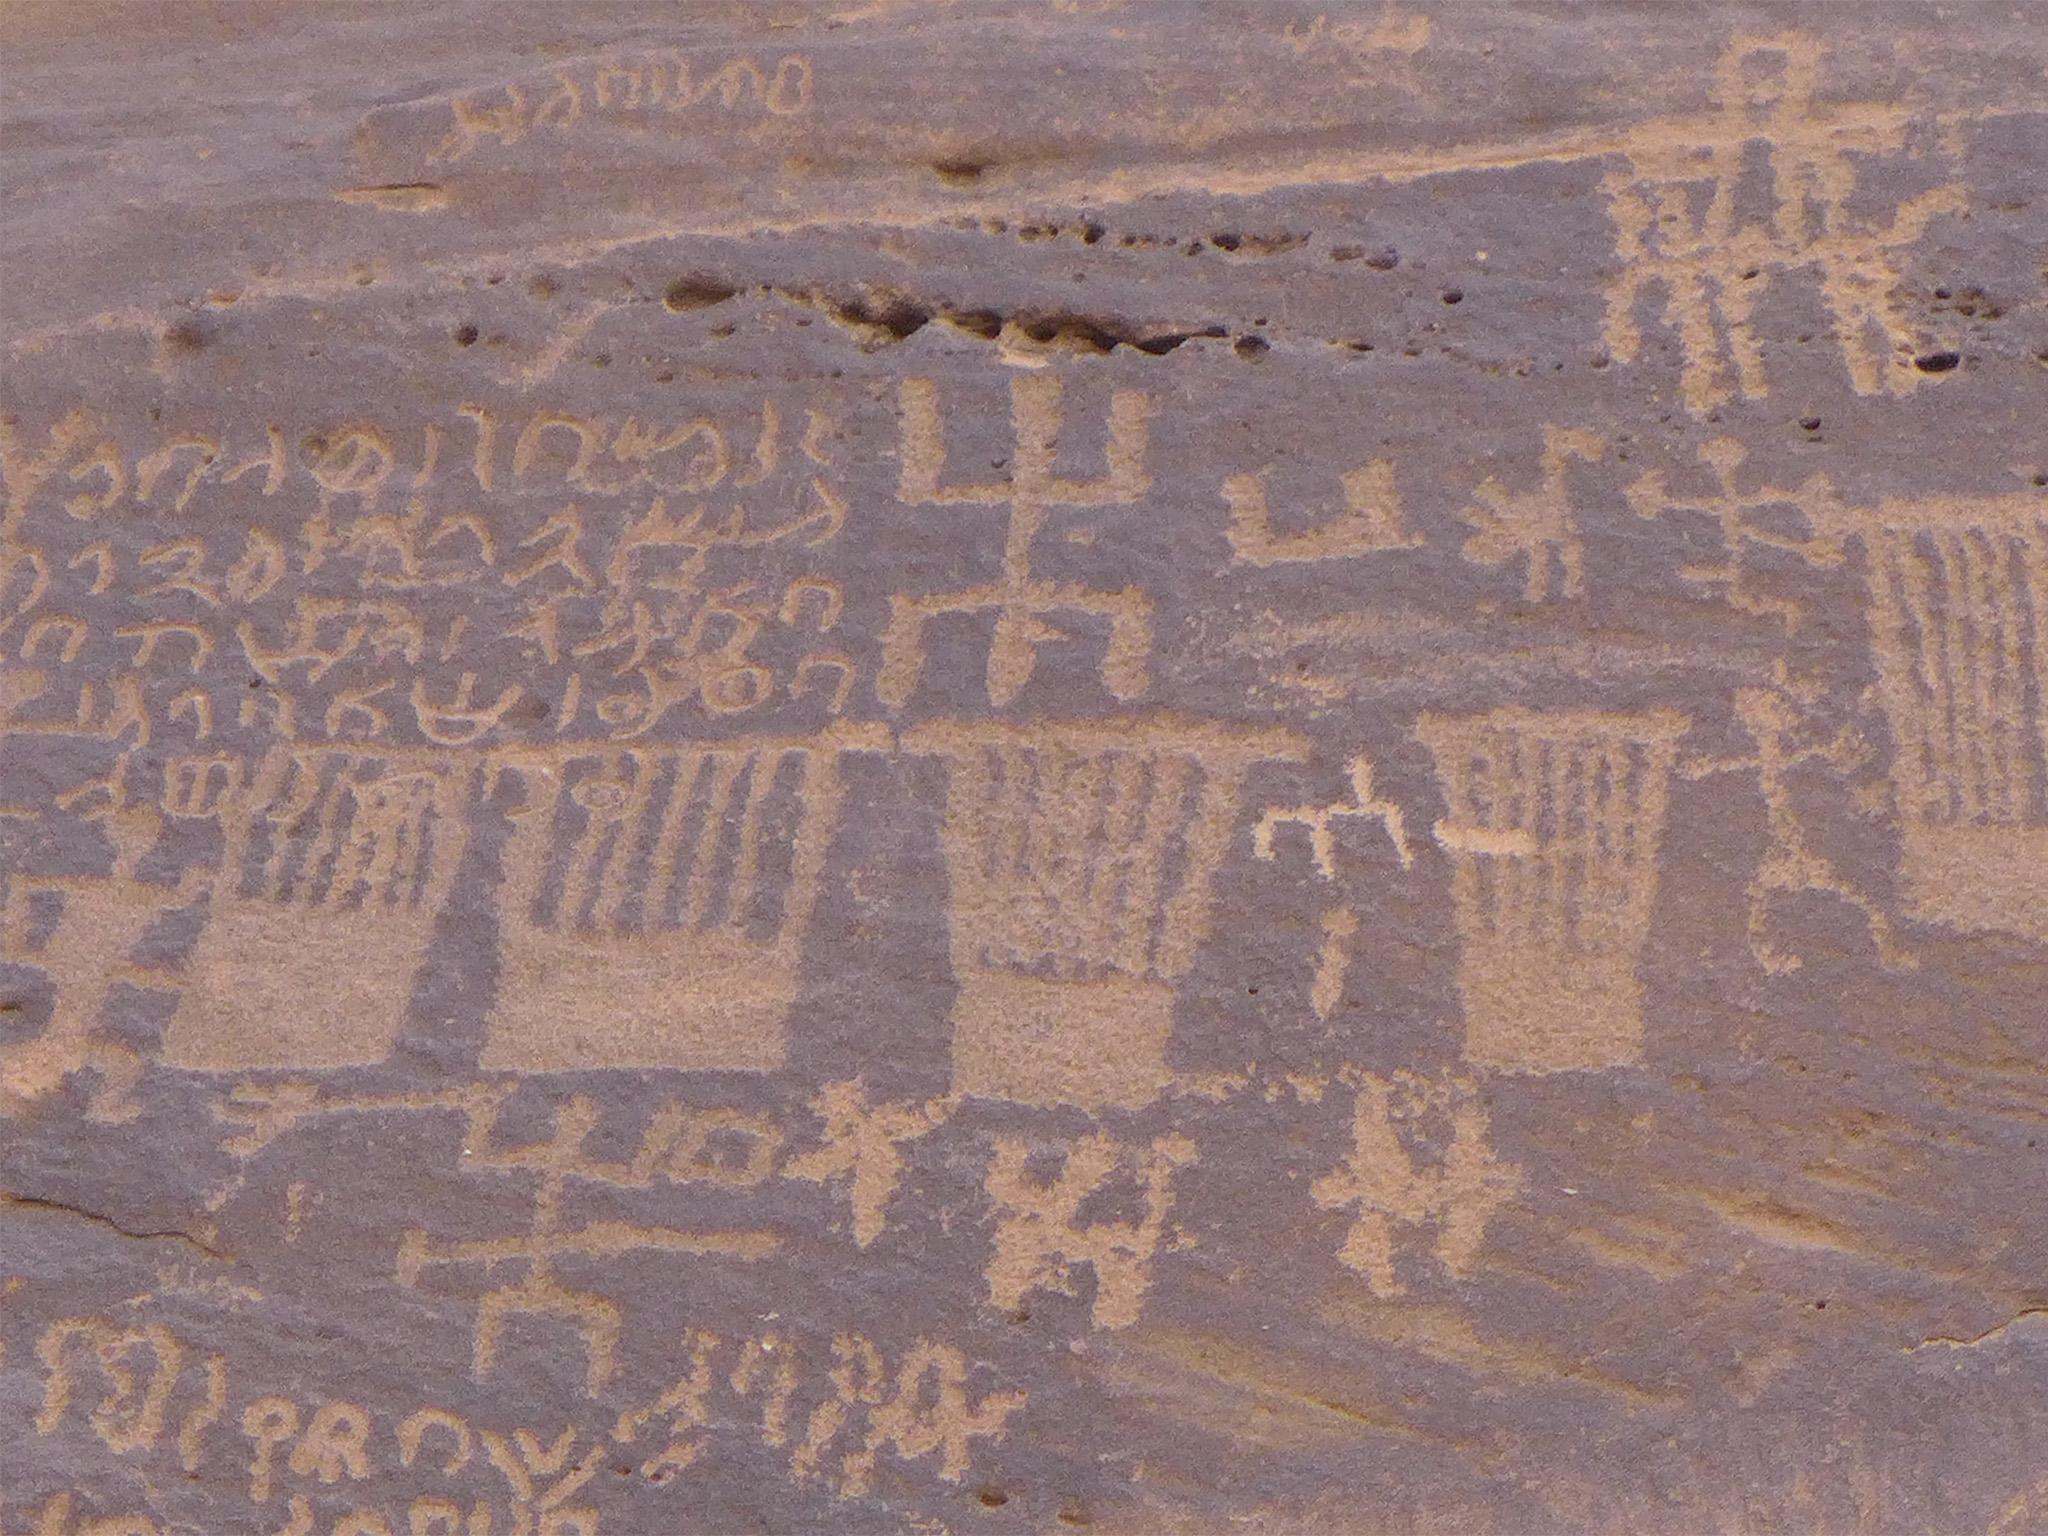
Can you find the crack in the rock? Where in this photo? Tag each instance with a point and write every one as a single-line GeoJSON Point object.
{"type": "Point", "coordinates": [1984, 1337]}
{"type": "Point", "coordinates": [890, 315]}
{"type": "Point", "coordinates": [885, 315]}
{"type": "Point", "coordinates": [98, 1218]}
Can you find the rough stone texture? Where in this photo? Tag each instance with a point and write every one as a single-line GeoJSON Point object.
{"type": "Point", "coordinates": [1024, 767]}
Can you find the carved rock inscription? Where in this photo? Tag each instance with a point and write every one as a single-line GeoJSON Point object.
{"type": "Point", "coordinates": [1023, 766]}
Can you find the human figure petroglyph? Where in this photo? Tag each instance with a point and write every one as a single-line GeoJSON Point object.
{"type": "Point", "coordinates": [1040, 1241]}
{"type": "Point", "coordinates": [1782, 744]}
{"type": "Point", "coordinates": [1022, 603]}
{"type": "Point", "coordinates": [860, 1147]}
{"type": "Point", "coordinates": [1081, 858]}
{"type": "Point", "coordinates": [1371, 522]}
{"type": "Point", "coordinates": [1553, 822]}
{"type": "Point", "coordinates": [1319, 821]}
{"type": "Point", "coordinates": [1340, 923]}
{"type": "Point", "coordinates": [1391, 1190]}
{"type": "Point", "coordinates": [1712, 270]}
{"type": "Point", "coordinates": [1956, 590]}
{"type": "Point", "coordinates": [1537, 527]}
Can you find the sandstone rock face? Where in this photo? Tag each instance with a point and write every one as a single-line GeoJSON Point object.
{"type": "Point", "coordinates": [1040, 766]}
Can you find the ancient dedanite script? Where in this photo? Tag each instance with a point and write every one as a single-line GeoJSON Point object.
{"type": "Point", "coordinates": [1023, 766]}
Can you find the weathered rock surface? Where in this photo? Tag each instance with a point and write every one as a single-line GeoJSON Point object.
{"type": "Point", "coordinates": [1023, 767]}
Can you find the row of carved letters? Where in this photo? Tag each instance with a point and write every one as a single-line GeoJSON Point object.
{"type": "Point", "coordinates": [832, 1422]}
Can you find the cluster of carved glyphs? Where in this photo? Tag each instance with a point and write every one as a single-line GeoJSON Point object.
{"type": "Point", "coordinates": [142, 1391]}
{"type": "Point", "coordinates": [633, 92]}
{"type": "Point", "coordinates": [656, 894]}
{"type": "Point", "coordinates": [1081, 854]}
{"type": "Point", "coordinates": [619, 609]}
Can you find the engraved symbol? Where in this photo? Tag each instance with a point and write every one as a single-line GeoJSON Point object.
{"type": "Point", "coordinates": [24, 579]}
{"type": "Point", "coordinates": [624, 91]}
{"type": "Point", "coordinates": [337, 863]}
{"type": "Point", "coordinates": [130, 1415]}
{"type": "Point", "coordinates": [1020, 601]}
{"type": "Point", "coordinates": [1340, 923]}
{"type": "Point", "coordinates": [86, 955]}
{"type": "Point", "coordinates": [1319, 821]}
{"type": "Point", "coordinates": [656, 900]}
{"type": "Point", "coordinates": [197, 788]}
{"type": "Point", "coordinates": [860, 1149]}
{"type": "Point", "coordinates": [1741, 525]}
{"type": "Point", "coordinates": [1369, 524]}
{"type": "Point", "coordinates": [1390, 1189]}
{"type": "Point", "coordinates": [1553, 824]}
{"type": "Point", "coordinates": [1080, 858]}
{"type": "Point", "coordinates": [1392, 31]}
{"type": "Point", "coordinates": [1039, 1239]}
{"type": "Point", "coordinates": [554, 1163]}
{"type": "Point", "coordinates": [1790, 866]}
{"type": "Point", "coordinates": [1958, 612]}
{"type": "Point", "coordinates": [1537, 525]}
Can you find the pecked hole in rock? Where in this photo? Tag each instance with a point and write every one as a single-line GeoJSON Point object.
{"type": "Point", "coordinates": [985, 324]}
{"type": "Point", "coordinates": [894, 314]}
{"type": "Point", "coordinates": [696, 292]}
